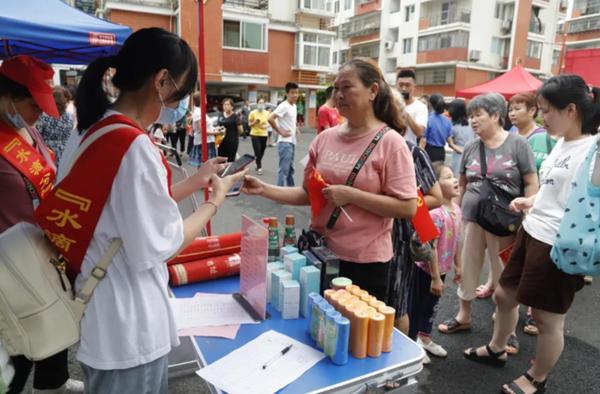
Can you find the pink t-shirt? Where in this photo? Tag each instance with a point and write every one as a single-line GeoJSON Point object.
{"type": "Point", "coordinates": [389, 170]}
{"type": "Point", "coordinates": [449, 225]}
{"type": "Point", "coordinates": [327, 117]}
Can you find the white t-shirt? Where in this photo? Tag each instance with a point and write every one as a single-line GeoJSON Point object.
{"type": "Point", "coordinates": [129, 321]}
{"type": "Point", "coordinates": [420, 114]}
{"type": "Point", "coordinates": [286, 119]}
{"type": "Point", "coordinates": [556, 175]}
{"type": "Point", "coordinates": [196, 114]}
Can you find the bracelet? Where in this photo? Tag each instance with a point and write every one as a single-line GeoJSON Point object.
{"type": "Point", "coordinates": [213, 204]}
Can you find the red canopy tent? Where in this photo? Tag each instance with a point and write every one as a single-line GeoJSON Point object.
{"type": "Point", "coordinates": [515, 81]}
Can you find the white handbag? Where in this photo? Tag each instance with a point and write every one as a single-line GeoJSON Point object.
{"type": "Point", "coordinates": [39, 313]}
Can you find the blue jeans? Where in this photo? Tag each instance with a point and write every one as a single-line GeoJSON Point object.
{"type": "Point", "coordinates": [286, 163]}
{"type": "Point", "coordinates": [150, 378]}
{"type": "Point", "coordinates": [212, 150]}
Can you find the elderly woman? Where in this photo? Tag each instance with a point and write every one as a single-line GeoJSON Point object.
{"type": "Point", "coordinates": [572, 112]}
{"type": "Point", "coordinates": [56, 131]}
{"type": "Point", "coordinates": [511, 166]}
{"type": "Point", "coordinates": [384, 188]}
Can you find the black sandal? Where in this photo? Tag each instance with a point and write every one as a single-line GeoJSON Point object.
{"type": "Point", "coordinates": [540, 387]}
{"type": "Point", "coordinates": [453, 325]}
{"type": "Point", "coordinates": [512, 346]}
{"type": "Point", "coordinates": [492, 358]}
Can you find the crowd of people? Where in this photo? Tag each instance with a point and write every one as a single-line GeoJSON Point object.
{"type": "Point", "coordinates": [382, 152]}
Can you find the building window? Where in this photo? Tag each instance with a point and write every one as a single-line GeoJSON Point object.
{"type": "Point", "coordinates": [246, 35]}
{"type": "Point", "coordinates": [409, 12]}
{"type": "Point", "coordinates": [555, 57]}
{"type": "Point", "coordinates": [366, 50]}
{"type": "Point", "coordinates": [343, 56]}
{"type": "Point", "coordinates": [496, 46]}
{"type": "Point", "coordinates": [336, 6]}
{"type": "Point", "coordinates": [534, 49]}
{"type": "Point", "coordinates": [592, 7]}
{"type": "Point", "coordinates": [347, 4]}
{"type": "Point", "coordinates": [315, 49]}
{"type": "Point", "coordinates": [441, 76]}
{"type": "Point", "coordinates": [394, 6]}
{"type": "Point", "coordinates": [456, 39]}
{"type": "Point", "coordinates": [335, 58]}
{"type": "Point", "coordinates": [319, 5]}
{"type": "Point", "coordinates": [407, 45]}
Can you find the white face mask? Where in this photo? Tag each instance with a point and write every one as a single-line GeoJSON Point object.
{"type": "Point", "coordinates": [15, 120]}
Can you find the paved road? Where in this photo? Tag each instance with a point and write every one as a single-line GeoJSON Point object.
{"type": "Point", "coordinates": [578, 370]}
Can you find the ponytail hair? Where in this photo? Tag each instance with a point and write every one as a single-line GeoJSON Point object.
{"type": "Point", "coordinates": [385, 106]}
{"type": "Point", "coordinates": [144, 53]}
{"type": "Point", "coordinates": [562, 90]}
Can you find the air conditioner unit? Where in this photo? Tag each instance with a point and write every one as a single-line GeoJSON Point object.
{"type": "Point", "coordinates": [388, 45]}
{"type": "Point", "coordinates": [506, 26]}
{"type": "Point", "coordinates": [474, 55]}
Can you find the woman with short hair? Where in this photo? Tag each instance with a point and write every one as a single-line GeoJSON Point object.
{"type": "Point", "coordinates": [511, 167]}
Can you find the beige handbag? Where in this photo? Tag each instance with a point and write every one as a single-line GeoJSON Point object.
{"type": "Point", "coordinates": [39, 313]}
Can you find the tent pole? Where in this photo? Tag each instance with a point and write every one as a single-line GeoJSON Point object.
{"type": "Point", "coordinates": [202, 80]}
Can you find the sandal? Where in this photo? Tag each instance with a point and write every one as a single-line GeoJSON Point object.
{"type": "Point", "coordinates": [530, 327]}
{"type": "Point", "coordinates": [512, 346]}
{"type": "Point", "coordinates": [492, 358]}
{"type": "Point", "coordinates": [514, 388]}
{"type": "Point", "coordinates": [484, 292]}
{"type": "Point", "coordinates": [452, 325]}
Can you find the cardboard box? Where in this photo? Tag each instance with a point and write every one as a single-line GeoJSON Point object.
{"type": "Point", "coordinates": [290, 299]}
{"type": "Point", "coordinates": [276, 278]}
{"type": "Point", "coordinates": [310, 282]}
{"type": "Point", "coordinates": [293, 262]}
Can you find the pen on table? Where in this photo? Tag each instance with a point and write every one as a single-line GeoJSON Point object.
{"type": "Point", "coordinates": [283, 351]}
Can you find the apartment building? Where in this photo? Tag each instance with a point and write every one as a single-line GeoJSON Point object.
{"type": "Point", "coordinates": [253, 47]}
{"type": "Point", "coordinates": [582, 29]}
{"type": "Point", "coordinates": [452, 44]}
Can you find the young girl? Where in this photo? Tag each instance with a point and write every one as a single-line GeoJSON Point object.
{"type": "Point", "coordinates": [429, 281]}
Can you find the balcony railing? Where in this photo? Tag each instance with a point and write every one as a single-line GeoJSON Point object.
{"type": "Point", "coordinates": [584, 25]}
{"type": "Point", "coordinates": [452, 16]}
{"type": "Point", "coordinates": [254, 4]}
{"type": "Point", "coordinates": [315, 5]}
{"type": "Point", "coordinates": [361, 26]}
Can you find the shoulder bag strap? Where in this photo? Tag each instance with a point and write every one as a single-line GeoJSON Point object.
{"type": "Point", "coordinates": [482, 159]}
{"type": "Point", "coordinates": [99, 271]}
{"type": "Point", "coordinates": [355, 170]}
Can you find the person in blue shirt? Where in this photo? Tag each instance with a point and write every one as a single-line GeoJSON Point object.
{"type": "Point", "coordinates": [439, 129]}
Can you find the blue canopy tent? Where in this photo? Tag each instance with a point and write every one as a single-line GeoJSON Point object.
{"type": "Point", "coordinates": [55, 32]}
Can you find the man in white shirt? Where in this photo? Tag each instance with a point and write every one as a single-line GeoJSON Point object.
{"type": "Point", "coordinates": [416, 113]}
{"type": "Point", "coordinates": [283, 121]}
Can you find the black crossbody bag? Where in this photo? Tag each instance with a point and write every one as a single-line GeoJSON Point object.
{"type": "Point", "coordinates": [311, 238]}
{"type": "Point", "coordinates": [493, 212]}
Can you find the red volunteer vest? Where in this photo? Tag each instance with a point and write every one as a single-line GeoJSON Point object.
{"type": "Point", "coordinates": [27, 160]}
{"type": "Point", "coordinates": [70, 213]}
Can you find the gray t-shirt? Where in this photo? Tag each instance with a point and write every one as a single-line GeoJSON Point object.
{"type": "Point", "coordinates": [506, 165]}
{"type": "Point", "coordinates": [462, 134]}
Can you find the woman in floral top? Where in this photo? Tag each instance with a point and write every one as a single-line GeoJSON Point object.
{"type": "Point", "coordinates": [56, 131]}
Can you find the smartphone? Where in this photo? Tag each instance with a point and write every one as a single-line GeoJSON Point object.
{"type": "Point", "coordinates": [235, 189]}
{"type": "Point", "coordinates": [238, 165]}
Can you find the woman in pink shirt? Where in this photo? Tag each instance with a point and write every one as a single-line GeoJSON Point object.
{"type": "Point", "coordinates": [380, 192]}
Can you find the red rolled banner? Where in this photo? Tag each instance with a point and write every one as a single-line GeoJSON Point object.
{"type": "Point", "coordinates": [205, 247]}
{"type": "Point", "coordinates": [205, 269]}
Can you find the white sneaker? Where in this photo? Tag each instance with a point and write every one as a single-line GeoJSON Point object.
{"type": "Point", "coordinates": [433, 348]}
{"type": "Point", "coordinates": [74, 387]}
{"type": "Point", "coordinates": [71, 386]}
{"type": "Point", "coordinates": [426, 360]}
